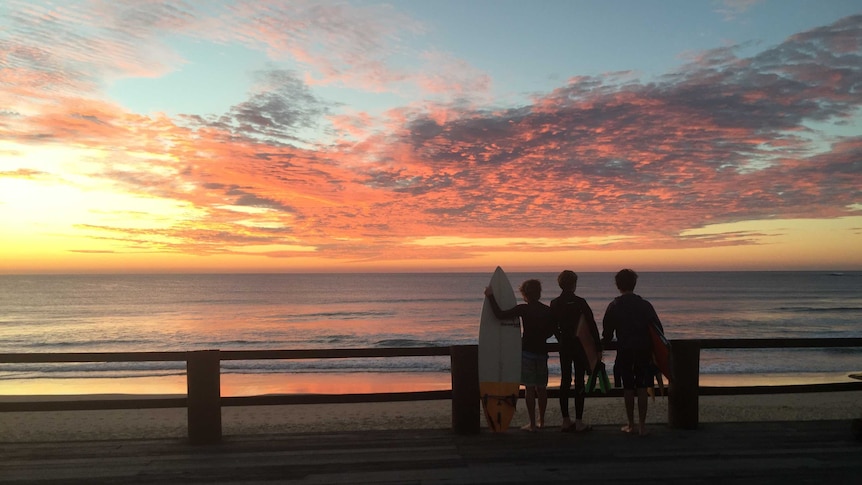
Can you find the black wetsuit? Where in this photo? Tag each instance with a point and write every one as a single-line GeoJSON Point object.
{"type": "Point", "coordinates": [629, 316]}
{"type": "Point", "coordinates": [566, 310]}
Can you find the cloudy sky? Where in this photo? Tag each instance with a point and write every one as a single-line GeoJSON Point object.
{"type": "Point", "coordinates": [267, 135]}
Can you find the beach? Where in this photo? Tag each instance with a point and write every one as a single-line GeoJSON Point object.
{"type": "Point", "coordinates": [137, 424]}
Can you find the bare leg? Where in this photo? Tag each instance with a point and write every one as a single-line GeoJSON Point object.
{"type": "Point", "coordinates": [629, 398]}
{"type": "Point", "coordinates": [530, 398]}
{"type": "Point", "coordinates": [642, 411]}
{"type": "Point", "coordinates": [543, 405]}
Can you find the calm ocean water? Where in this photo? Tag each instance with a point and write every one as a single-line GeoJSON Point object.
{"type": "Point", "coordinates": [106, 313]}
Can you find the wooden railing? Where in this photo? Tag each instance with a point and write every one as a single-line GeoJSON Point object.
{"type": "Point", "coordinates": [685, 389]}
{"type": "Point", "coordinates": [204, 400]}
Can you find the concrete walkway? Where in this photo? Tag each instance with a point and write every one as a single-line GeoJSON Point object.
{"type": "Point", "coordinates": [755, 453]}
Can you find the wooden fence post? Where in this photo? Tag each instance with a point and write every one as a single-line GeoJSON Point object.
{"type": "Point", "coordinates": [204, 397]}
{"type": "Point", "coordinates": [465, 388]}
{"type": "Point", "coordinates": [682, 409]}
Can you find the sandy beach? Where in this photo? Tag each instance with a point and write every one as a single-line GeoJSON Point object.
{"type": "Point", "coordinates": [244, 420]}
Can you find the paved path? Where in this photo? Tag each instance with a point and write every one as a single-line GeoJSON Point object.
{"type": "Point", "coordinates": [747, 453]}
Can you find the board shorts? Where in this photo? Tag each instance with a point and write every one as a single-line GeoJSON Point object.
{"type": "Point", "coordinates": [633, 368]}
{"type": "Point", "coordinates": [534, 369]}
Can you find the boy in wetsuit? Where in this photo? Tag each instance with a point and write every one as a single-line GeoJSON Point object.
{"type": "Point", "coordinates": [566, 310]}
{"type": "Point", "coordinates": [537, 328]}
{"type": "Point", "coordinates": [629, 316]}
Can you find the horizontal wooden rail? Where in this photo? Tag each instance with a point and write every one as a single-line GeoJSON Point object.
{"type": "Point", "coordinates": [685, 389]}
{"type": "Point", "coordinates": [280, 399]}
{"type": "Point", "coordinates": [347, 353]}
{"type": "Point", "coordinates": [774, 343]}
{"type": "Point", "coordinates": [94, 404]}
{"type": "Point", "coordinates": [44, 358]}
{"type": "Point", "coordinates": [443, 395]}
{"type": "Point", "coordinates": [333, 353]}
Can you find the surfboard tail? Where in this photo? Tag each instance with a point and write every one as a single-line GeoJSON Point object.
{"type": "Point", "coordinates": [499, 401]}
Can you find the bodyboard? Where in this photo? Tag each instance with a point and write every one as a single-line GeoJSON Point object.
{"type": "Point", "coordinates": [499, 356]}
{"type": "Point", "coordinates": [588, 342]}
{"type": "Point", "coordinates": [661, 351]}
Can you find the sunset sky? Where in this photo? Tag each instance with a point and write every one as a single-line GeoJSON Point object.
{"type": "Point", "coordinates": [223, 136]}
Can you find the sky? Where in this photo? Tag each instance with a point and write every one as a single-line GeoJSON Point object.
{"type": "Point", "coordinates": [306, 136]}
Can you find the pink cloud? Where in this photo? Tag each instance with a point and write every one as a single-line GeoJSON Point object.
{"type": "Point", "coordinates": [722, 140]}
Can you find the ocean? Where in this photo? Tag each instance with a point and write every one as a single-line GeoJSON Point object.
{"type": "Point", "coordinates": [167, 312]}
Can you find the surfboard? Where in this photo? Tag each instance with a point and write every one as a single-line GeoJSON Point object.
{"type": "Point", "coordinates": [588, 342]}
{"type": "Point", "coordinates": [598, 374]}
{"type": "Point", "coordinates": [661, 352]}
{"type": "Point", "coordinates": [499, 356]}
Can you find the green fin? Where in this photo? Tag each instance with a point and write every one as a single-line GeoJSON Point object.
{"type": "Point", "coordinates": [591, 382]}
{"type": "Point", "coordinates": [606, 382]}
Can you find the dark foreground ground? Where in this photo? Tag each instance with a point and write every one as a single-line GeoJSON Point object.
{"type": "Point", "coordinates": [745, 453]}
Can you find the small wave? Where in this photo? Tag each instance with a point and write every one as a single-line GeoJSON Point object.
{"type": "Point", "coordinates": [330, 339]}
{"type": "Point", "coordinates": [404, 342]}
{"type": "Point", "coordinates": [242, 342]}
{"type": "Point", "coordinates": [843, 350]}
{"type": "Point", "coordinates": [805, 309]}
{"type": "Point", "coordinates": [226, 301]}
{"type": "Point", "coordinates": [279, 343]}
{"type": "Point", "coordinates": [86, 345]}
{"type": "Point", "coordinates": [387, 301]}
{"type": "Point", "coordinates": [336, 315]}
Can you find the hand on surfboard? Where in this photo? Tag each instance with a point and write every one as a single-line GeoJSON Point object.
{"type": "Point", "coordinates": [499, 356]}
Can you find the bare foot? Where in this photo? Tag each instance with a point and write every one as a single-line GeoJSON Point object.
{"type": "Point", "coordinates": [528, 427]}
{"type": "Point", "coordinates": [628, 429]}
{"type": "Point", "coordinates": [642, 430]}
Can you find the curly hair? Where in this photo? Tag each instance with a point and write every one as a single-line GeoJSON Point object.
{"type": "Point", "coordinates": [531, 290]}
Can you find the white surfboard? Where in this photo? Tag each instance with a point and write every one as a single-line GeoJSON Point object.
{"type": "Point", "coordinates": [499, 356]}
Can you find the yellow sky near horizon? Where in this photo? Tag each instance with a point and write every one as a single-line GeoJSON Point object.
{"type": "Point", "coordinates": [58, 217]}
